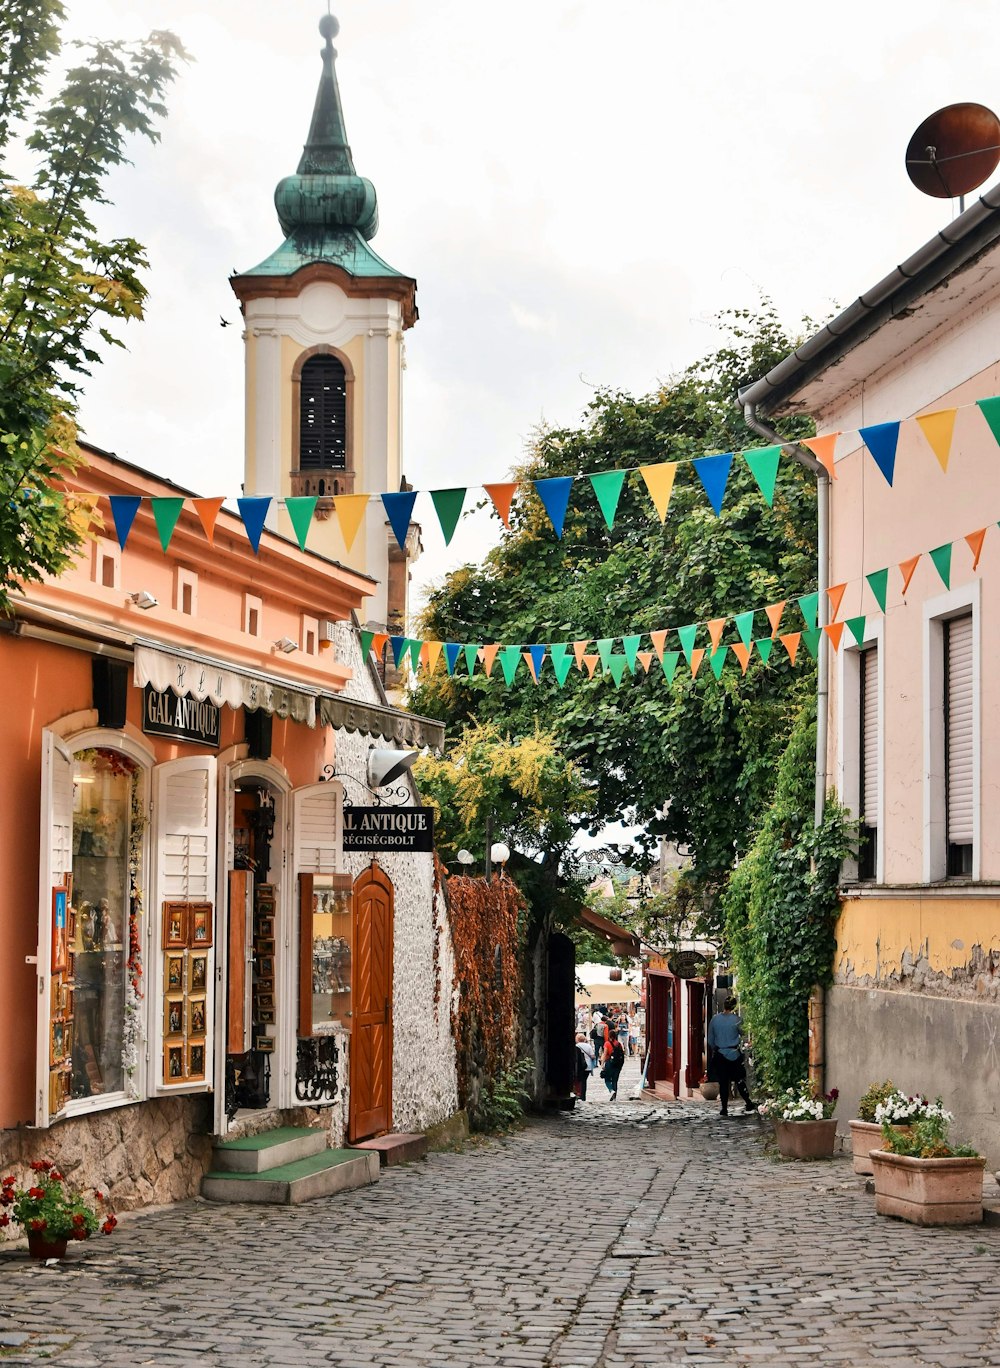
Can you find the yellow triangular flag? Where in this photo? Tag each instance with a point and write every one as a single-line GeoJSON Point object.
{"type": "Point", "coordinates": [939, 428]}
{"type": "Point", "coordinates": [660, 483]}
{"type": "Point", "coordinates": [433, 652]}
{"type": "Point", "coordinates": [350, 509]}
{"type": "Point", "coordinates": [81, 510]}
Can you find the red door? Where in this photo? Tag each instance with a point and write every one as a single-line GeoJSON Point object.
{"type": "Point", "coordinates": [371, 1026]}
{"type": "Point", "coordinates": [695, 1069]}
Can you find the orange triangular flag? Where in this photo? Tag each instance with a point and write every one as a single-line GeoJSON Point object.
{"type": "Point", "coordinates": [715, 632]}
{"type": "Point", "coordinates": [350, 509]}
{"type": "Point", "coordinates": [646, 657]}
{"type": "Point", "coordinates": [489, 655]}
{"type": "Point", "coordinates": [975, 540]}
{"type": "Point", "coordinates": [697, 656]}
{"type": "Point", "coordinates": [774, 613]}
{"type": "Point", "coordinates": [378, 643]}
{"type": "Point", "coordinates": [425, 654]}
{"type": "Point", "coordinates": [822, 449]}
{"type": "Point", "coordinates": [835, 594]}
{"type": "Point", "coordinates": [502, 496]}
{"type": "Point", "coordinates": [433, 655]}
{"type": "Point", "coordinates": [834, 630]}
{"type": "Point", "coordinates": [939, 428]}
{"type": "Point", "coordinates": [790, 641]}
{"type": "Point", "coordinates": [659, 640]}
{"type": "Point", "coordinates": [742, 654]}
{"type": "Point", "coordinates": [591, 662]}
{"type": "Point", "coordinates": [208, 512]}
{"type": "Point", "coordinates": [659, 481]}
{"type": "Point", "coordinates": [578, 649]}
{"type": "Point", "coordinates": [530, 664]}
{"type": "Point", "coordinates": [907, 568]}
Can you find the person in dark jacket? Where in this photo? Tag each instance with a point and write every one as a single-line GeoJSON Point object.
{"type": "Point", "coordinates": [726, 1065]}
{"type": "Point", "coordinates": [613, 1065]}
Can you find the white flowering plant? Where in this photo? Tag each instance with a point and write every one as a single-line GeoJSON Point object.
{"type": "Point", "coordinates": [804, 1103]}
{"type": "Point", "coordinates": [900, 1110]}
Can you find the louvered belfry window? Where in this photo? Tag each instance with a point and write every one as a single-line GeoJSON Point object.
{"type": "Point", "coordinates": [958, 744]}
{"type": "Point", "coordinates": [323, 414]}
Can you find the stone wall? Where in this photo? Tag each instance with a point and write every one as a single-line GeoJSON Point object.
{"type": "Point", "coordinates": [142, 1155]}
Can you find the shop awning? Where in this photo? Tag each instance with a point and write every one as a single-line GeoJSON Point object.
{"type": "Point", "coordinates": [408, 729]}
{"type": "Point", "coordinates": [200, 677]}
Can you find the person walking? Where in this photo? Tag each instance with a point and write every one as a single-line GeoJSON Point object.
{"type": "Point", "coordinates": [623, 1030]}
{"type": "Point", "coordinates": [613, 1064]}
{"type": "Point", "coordinates": [726, 1065]}
{"type": "Point", "coordinates": [585, 1064]}
{"type": "Point", "coordinates": [599, 1034]}
{"type": "Point", "coordinates": [633, 1033]}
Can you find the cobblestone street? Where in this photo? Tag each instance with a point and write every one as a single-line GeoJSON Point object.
{"type": "Point", "coordinates": [619, 1235]}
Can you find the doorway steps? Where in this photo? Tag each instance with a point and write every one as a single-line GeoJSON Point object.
{"type": "Point", "coordinates": [284, 1167]}
{"type": "Point", "coordinates": [395, 1148]}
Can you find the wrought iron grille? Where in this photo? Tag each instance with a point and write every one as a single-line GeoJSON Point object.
{"type": "Point", "coordinates": [316, 1069]}
{"type": "Point", "coordinates": [323, 415]}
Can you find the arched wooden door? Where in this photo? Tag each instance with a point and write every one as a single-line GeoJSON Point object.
{"type": "Point", "coordinates": [371, 1025]}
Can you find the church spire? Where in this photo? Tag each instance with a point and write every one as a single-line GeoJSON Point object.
{"type": "Point", "coordinates": [327, 148]}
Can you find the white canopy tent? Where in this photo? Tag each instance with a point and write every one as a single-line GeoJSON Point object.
{"type": "Point", "coordinates": [599, 986]}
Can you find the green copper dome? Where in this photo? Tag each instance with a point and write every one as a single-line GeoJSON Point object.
{"type": "Point", "coordinates": [326, 210]}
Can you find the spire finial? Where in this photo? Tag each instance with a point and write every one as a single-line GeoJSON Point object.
{"type": "Point", "coordinates": [329, 25]}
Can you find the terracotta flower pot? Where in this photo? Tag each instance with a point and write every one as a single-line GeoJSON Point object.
{"type": "Point", "coordinates": [709, 1091]}
{"type": "Point", "coordinates": [929, 1192]}
{"type": "Point", "coordinates": [41, 1247]}
{"type": "Point", "coordinates": [806, 1139]}
{"type": "Point", "coordinates": [866, 1136]}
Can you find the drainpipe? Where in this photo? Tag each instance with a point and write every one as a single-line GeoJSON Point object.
{"type": "Point", "coordinates": [817, 999]}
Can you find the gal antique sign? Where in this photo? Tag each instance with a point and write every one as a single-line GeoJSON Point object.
{"type": "Point", "coordinates": [389, 828]}
{"type": "Point", "coordinates": [185, 719]}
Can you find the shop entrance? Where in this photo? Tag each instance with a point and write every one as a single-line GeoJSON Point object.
{"type": "Point", "coordinates": [371, 1035]}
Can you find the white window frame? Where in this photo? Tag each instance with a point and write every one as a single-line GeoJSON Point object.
{"type": "Point", "coordinates": [849, 739]}
{"type": "Point", "coordinates": [958, 602]}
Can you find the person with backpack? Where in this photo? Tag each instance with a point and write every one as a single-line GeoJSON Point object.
{"type": "Point", "coordinates": [614, 1062]}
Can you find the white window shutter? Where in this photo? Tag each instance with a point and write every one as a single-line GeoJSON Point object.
{"type": "Point", "coordinates": [317, 841]}
{"type": "Point", "coordinates": [959, 740]}
{"type": "Point", "coordinates": [184, 846]}
{"type": "Point", "coordinates": [56, 849]}
{"type": "Point", "coordinates": [870, 737]}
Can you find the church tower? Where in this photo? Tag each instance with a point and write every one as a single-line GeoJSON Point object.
{"type": "Point", "coordinates": [324, 322]}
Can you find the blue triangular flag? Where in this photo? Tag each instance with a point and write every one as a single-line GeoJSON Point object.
{"type": "Point", "coordinates": [452, 650]}
{"type": "Point", "coordinates": [398, 508]}
{"type": "Point", "coordinates": [399, 645]}
{"type": "Point", "coordinates": [554, 494]}
{"type": "Point", "coordinates": [881, 439]}
{"type": "Point", "coordinates": [713, 472]}
{"type": "Point", "coordinates": [537, 654]}
{"type": "Point", "coordinates": [124, 507]}
{"type": "Point", "coordinates": [253, 511]}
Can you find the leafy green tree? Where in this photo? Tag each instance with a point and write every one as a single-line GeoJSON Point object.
{"type": "Point", "coordinates": [62, 285]}
{"type": "Point", "coordinates": [694, 761]}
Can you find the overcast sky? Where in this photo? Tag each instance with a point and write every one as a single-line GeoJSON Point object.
{"type": "Point", "coordinates": [577, 187]}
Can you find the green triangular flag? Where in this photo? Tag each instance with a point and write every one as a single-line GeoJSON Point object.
{"type": "Point", "coordinates": [717, 660]}
{"type": "Point", "coordinates": [562, 661]}
{"type": "Point", "coordinates": [630, 645]}
{"type": "Point", "coordinates": [878, 581]}
{"type": "Point", "coordinates": [764, 468]}
{"type": "Point", "coordinates": [414, 648]}
{"type": "Point", "coordinates": [670, 661]}
{"type": "Point", "coordinates": [166, 512]}
{"type": "Point", "coordinates": [990, 409]}
{"type": "Point", "coordinates": [604, 650]}
{"type": "Point", "coordinates": [765, 646]}
{"type": "Point", "coordinates": [608, 488]}
{"type": "Point", "coordinates": [744, 625]}
{"type": "Point", "coordinates": [687, 636]}
{"type": "Point", "coordinates": [856, 627]}
{"type": "Point", "coordinates": [510, 658]}
{"type": "Point", "coordinates": [366, 643]}
{"type": "Point", "coordinates": [941, 556]}
{"type": "Point", "coordinates": [809, 606]}
{"type": "Point", "coordinates": [448, 507]}
{"type": "Point", "coordinates": [617, 667]}
{"type": "Point", "coordinates": [471, 653]}
{"type": "Point", "coordinates": [812, 641]}
{"type": "Point", "coordinates": [300, 509]}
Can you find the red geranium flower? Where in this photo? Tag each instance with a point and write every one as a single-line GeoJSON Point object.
{"type": "Point", "coordinates": [99, 1195]}
{"type": "Point", "coordinates": [36, 1192]}
{"type": "Point", "coordinates": [8, 1181]}
{"type": "Point", "coordinates": [56, 1176]}
{"type": "Point", "coordinates": [78, 1218]}
{"type": "Point", "coordinates": [37, 1223]}
{"type": "Point", "coordinates": [110, 1224]}
{"type": "Point", "coordinates": [4, 1219]}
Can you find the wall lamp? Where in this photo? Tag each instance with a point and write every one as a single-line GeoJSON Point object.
{"type": "Point", "coordinates": [286, 645]}
{"type": "Point", "coordinates": [142, 598]}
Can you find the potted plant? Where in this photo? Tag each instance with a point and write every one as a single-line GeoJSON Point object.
{"type": "Point", "coordinates": [883, 1104]}
{"type": "Point", "coordinates": [51, 1213]}
{"type": "Point", "coordinates": [803, 1121]}
{"type": "Point", "coordinates": [922, 1178]}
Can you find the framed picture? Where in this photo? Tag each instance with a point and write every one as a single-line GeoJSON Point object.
{"type": "Point", "coordinates": [67, 1000]}
{"type": "Point", "coordinates": [175, 925]}
{"type": "Point", "coordinates": [173, 1016]}
{"type": "Point", "coordinates": [195, 1062]}
{"type": "Point", "coordinates": [173, 1063]}
{"type": "Point", "coordinates": [264, 1043]}
{"type": "Point", "coordinates": [265, 892]}
{"type": "Point", "coordinates": [56, 995]}
{"type": "Point", "coordinates": [264, 947]}
{"type": "Point", "coordinates": [200, 928]}
{"type": "Point", "coordinates": [265, 966]}
{"type": "Point", "coordinates": [56, 1103]}
{"type": "Point", "coordinates": [67, 879]}
{"type": "Point", "coordinates": [265, 1001]}
{"type": "Point", "coordinates": [56, 1042]}
{"type": "Point", "coordinates": [265, 927]}
{"type": "Point", "coordinates": [197, 972]}
{"type": "Point", "coordinates": [174, 978]}
{"type": "Point", "coordinates": [67, 1039]}
{"type": "Point", "coordinates": [265, 1015]}
{"type": "Point", "coordinates": [196, 1016]}
{"type": "Point", "coordinates": [60, 929]}
{"type": "Point", "coordinates": [71, 966]}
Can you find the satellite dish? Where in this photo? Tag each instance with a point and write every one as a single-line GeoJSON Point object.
{"type": "Point", "coordinates": [954, 150]}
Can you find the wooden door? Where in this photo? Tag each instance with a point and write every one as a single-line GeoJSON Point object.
{"type": "Point", "coordinates": [696, 1033]}
{"type": "Point", "coordinates": [371, 1024]}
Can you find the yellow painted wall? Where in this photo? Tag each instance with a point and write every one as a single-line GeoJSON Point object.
{"type": "Point", "coordinates": [876, 935]}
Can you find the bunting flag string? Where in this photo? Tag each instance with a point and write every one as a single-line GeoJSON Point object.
{"type": "Point", "coordinates": [712, 469]}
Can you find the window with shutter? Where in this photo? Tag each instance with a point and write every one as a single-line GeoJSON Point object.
{"type": "Point", "coordinates": [868, 731]}
{"type": "Point", "coordinates": [958, 745]}
{"type": "Point", "coordinates": [56, 860]}
{"type": "Point", "coordinates": [317, 841]}
{"type": "Point", "coordinates": [323, 414]}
